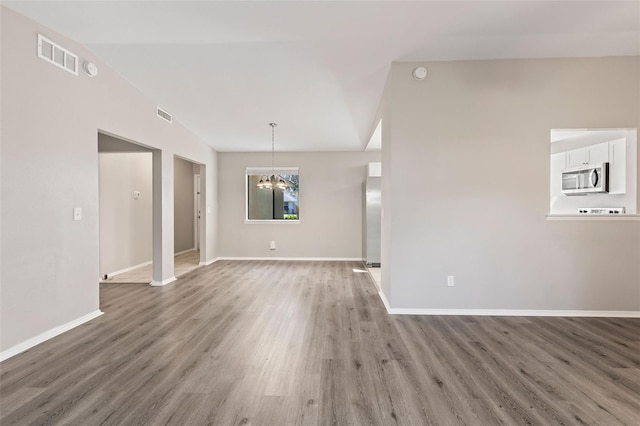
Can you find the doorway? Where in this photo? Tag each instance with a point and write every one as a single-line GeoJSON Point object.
{"type": "Point", "coordinates": [125, 210]}
{"type": "Point", "coordinates": [187, 215]}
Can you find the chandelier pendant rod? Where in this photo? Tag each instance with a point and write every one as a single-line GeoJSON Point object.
{"type": "Point", "coordinates": [273, 151]}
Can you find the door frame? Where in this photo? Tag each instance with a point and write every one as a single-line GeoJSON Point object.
{"type": "Point", "coordinates": [197, 211]}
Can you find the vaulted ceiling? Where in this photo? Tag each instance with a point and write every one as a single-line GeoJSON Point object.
{"type": "Point", "coordinates": [317, 68]}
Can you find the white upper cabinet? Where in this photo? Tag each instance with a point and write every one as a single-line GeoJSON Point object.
{"type": "Point", "coordinates": [576, 157]}
{"type": "Point", "coordinates": [598, 153]}
{"type": "Point", "coordinates": [558, 164]}
{"type": "Point", "coordinates": [617, 166]}
{"type": "Point", "coordinates": [593, 154]}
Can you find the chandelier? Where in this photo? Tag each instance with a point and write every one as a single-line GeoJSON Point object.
{"type": "Point", "coordinates": [273, 181]}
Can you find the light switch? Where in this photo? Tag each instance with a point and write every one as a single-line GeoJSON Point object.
{"type": "Point", "coordinates": [77, 213]}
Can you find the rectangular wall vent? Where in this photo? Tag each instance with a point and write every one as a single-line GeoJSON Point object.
{"type": "Point", "coordinates": [163, 114]}
{"type": "Point", "coordinates": [57, 55]}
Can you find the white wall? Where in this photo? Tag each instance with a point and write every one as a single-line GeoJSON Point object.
{"type": "Point", "coordinates": [125, 222]}
{"type": "Point", "coordinates": [183, 205]}
{"type": "Point", "coordinates": [50, 122]}
{"type": "Point", "coordinates": [466, 186]}
{"type": "Point", "coordinates": [331, 206]}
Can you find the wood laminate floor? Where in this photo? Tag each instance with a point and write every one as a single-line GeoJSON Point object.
{"type": "Point", "coordinates": [310, 343]}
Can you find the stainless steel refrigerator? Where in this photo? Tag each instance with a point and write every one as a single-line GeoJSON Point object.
{"type": "Point", "coordinates": [373, 219]}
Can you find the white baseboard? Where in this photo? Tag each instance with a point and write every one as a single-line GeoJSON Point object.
{"type": "Point", "coordinates": [510, 312]}
{"type": "Point", "coordinates": [209, 262]}
{"type": "Point", "coordinates": [321, 259]}
{"type": "Point", "coordinates": [163, 282]}
{"type": "Point", "coordinates": [130, 268]}
{"type": "Point", "coordinates": [184, 251]}
{"type": "Point", "coordinates": [140, 265]}
{"type": "Point", "coordinates": [28, 344]}
{"type": "Point", "coordinates": [384, 301]}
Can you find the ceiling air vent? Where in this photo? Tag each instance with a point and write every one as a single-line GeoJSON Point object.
{"type": "Point", "coordinates": [163, 114]}
{"type": "Point", "coordinates": [57, 55]}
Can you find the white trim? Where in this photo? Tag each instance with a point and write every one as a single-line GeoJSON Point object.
{"type": "Point", "coordinates": [323, 259]}
{"type": "Point", "coordinates": [271, 221]}
{"type": "Point", "coordinates": [28, 344]}
{"type": "Point", "coordinates": [163, 282]}
{"type": "Point", "coordinates": [209, 262]}
{"type": "Point", "coordinates": [196, 211]}
{"type": "Point", "coordinates": [607, 217]}
{"type": "Point", "coordinates": [257, 171]}
{"type": "Point", "coordinates": [130, 268]}
{"type": "Point", "coordinates": [140, 265]}
{"type": "Point", "coordinates": [184, 251]}
{"type": "Point", "coordinates": [384, 301]}
{"type": "Point", "coordinates": [514, 312]}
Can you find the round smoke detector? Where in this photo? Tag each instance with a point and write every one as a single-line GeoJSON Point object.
{"type": "Point", "coordinates": [90, 68]}
{"type": "Point", "coordinates": [419, 73]}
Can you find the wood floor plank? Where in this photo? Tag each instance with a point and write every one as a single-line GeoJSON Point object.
{"type": "Point", "coordinates": [503, 403]}
{"type": "Point", "coordinates": [502, 360]}
{"type": "Point", "coordinates": [577, 363]}
{"type": "Point", "coordinates": [310, 343]}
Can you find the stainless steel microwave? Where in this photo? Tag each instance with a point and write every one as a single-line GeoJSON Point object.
{"type": "Point", "coordinates": [587, 179]}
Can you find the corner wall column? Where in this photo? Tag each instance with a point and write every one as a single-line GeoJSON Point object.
{"type": "Point", "coordinates": [163, 250]}
{"type": "Point", "coordinates": [203, 214]}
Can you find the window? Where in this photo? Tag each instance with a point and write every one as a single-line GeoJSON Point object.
{"type": "Point", "coordinates": [273, 193]}
{"type": "Point", "coordinates": [593, 171]}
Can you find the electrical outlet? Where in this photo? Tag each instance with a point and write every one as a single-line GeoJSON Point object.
{"type": "Point", "coordinates": [450, 281]}
{"type": "Point", "coordinates": [272, 246]}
